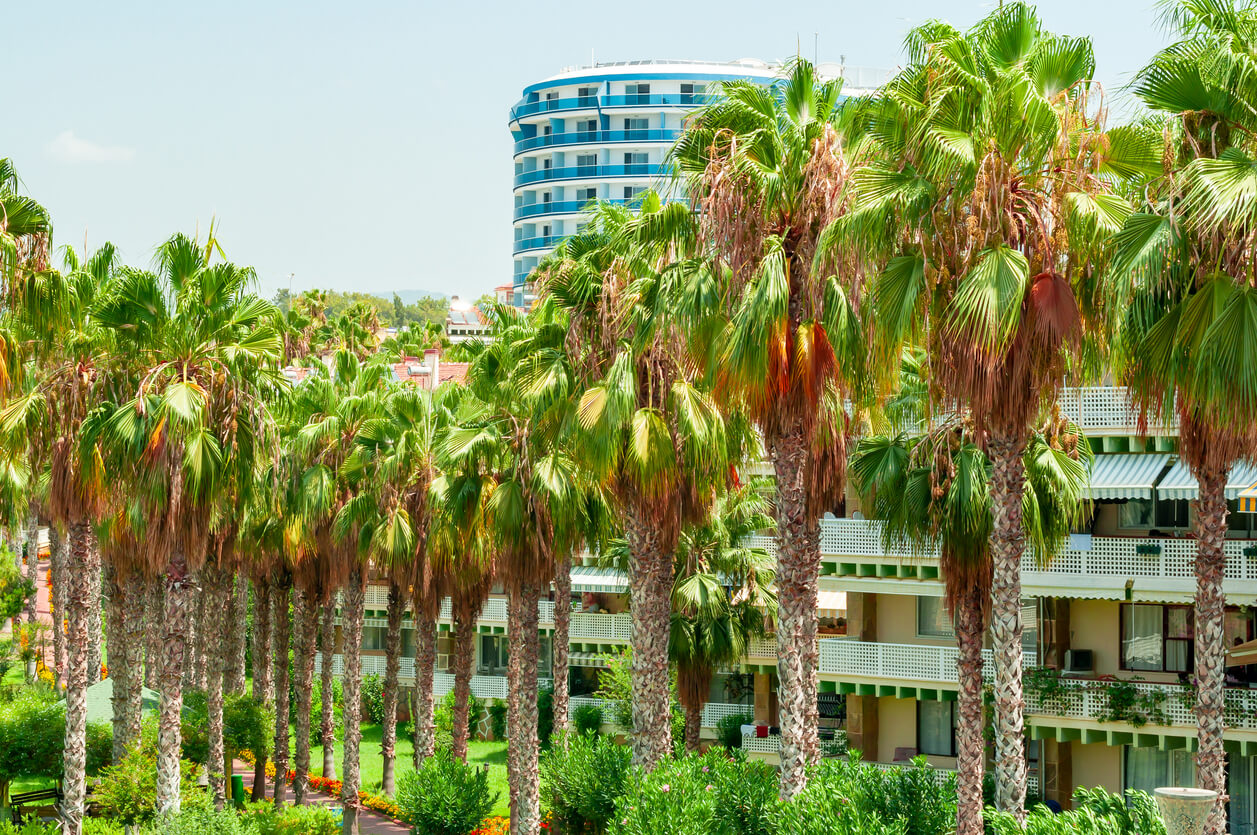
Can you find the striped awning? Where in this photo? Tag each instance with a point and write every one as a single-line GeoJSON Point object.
{"type": "Point", "coordinates": [831, 604]}
{"type": "Point", "coordinates": [591, 578]}
{"type": "Point", "coordinates": [1127, 476]}
{"type": "Point", "coordinates": [1248, 499]}
{"type": "Point", "coordinates": [1179, 483]}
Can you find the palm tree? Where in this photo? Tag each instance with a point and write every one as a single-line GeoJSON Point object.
{"type": "Point", "coordinates": [393, 465]}
{"type": "Point", "coordinates": [648, 432]}
{"type": "Point", "coordinates": [25, 233]}
{"type": "Point", "coordinates": [983, 219]}
{"type": "Point", "coordinates": [768, 169]}
{"type": "Point", "coordinates": [934, 492]}
{"type": "Point", "coordinates": [1183, 267]}
{"type": "Point", "coordinates": [511, 447]}
{"type": "Point", "coordinates": [196, 423]}
{"type": "Point", "coordinates": [72, 369]}
{"type": "Point", "coordinates": [721, 597]}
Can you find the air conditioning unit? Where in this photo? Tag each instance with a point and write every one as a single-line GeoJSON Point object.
{"type": "Point", "coordinates": [1079, 661]}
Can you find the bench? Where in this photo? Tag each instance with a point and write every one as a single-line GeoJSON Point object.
{"type": "Point", "coordinates": [43, 797]}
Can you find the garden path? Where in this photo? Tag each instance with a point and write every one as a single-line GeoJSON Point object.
{"type": "Point", "coordinates": [369, 822]}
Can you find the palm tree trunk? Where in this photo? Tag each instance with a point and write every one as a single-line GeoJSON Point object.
{"type": "Point", "coordinates": [693, 727]}
{"type": "Point", "coordinates": [235, 631]}
{"type": "Point", "coordinates": [214, 592]}
{"type": "Point", "coordinates": [521, 709]}
{"type": "Point", "coordinates": [355, 600]}
{"type": "Point", "coordinates": [154, 616]}
{"type": "Point", "coordinates": [464, 665]}
{"type": "Point", "coordinates": [650, 573]}
{"type": "Point", "coordinates": [94, 627]}
{"type": "Point", "coordinates": [327, 725]}
{"type": "Point", "coordinates": [115, 628]}
{"type": "Point", "coordinates": [84, 557]}
{"type": "Point", "coordinates": [282, 624]}
{"type": "Point", "coordinates": [307, 625]}
{"type": "Point", "coordinates": [559, 644]}
{"type": "Point", "coordinates": [970, 747]}
{"type": "Point", "coordinates": [798, 566]}
{"type": "Point", "coordinates": [32, 564]}
{"type": "Point", "coordinates": [58, 559]}
{"type": "Point", "coordinates": [180, 589]}
{"type": "Point", "coordinates": [132, 679]}
{"type": "Point", "coordinates": [263, 690]}
{"type": "Point", "coordinates": [1211, 528]}
{"type": "Point", "coordinates": [423, 713]}
{"type": "Point", "coordinates": [1008, 544]}
{"type": "Point", "coordinates": [200, 638]}
{"type": "Point", "coordinates": [392, 666]}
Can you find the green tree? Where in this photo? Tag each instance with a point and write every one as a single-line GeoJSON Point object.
{"type": "Point", "coordinates": [983, 217]}
{"type": "Point", "coordinates": [650, 433]}
{"type": "Point", "coordinates": [768, 168]}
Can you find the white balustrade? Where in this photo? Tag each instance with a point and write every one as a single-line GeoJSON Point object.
{"type": "Point", "coordinates": [1104, 407]}
{"type": "Point", "coordinates": [913, 662]}
{"type": "Point", "coordinates": [607, 707]}
{"type": "Point", "coordinates": [1088, 699]}
{"type": "Point", "coordinates": [601, 626]}
{"type": "Point", "coordinates": [761, 745]}
{"type": "Point", "coordinates": [713, 712]}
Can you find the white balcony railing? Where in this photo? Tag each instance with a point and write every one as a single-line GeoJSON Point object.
{"type": "Point", "coordinates": [1088, 699]}
{"type": "Point", "coordinates": [1096, 408]}
{"type": "Point", "coordinates": [912, 662]}
{"type": "Point", "coordinates": [713, 712]}
{"type": "Point", "coordinates": [600, 626]}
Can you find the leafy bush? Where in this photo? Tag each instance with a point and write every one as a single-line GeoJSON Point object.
{"type": "Point", "coordinates": [29, 828]}
{"type": "Point", "coordinates": [32, 735]}
{"type": "Point", "coordinates": [316, 711]}
{"type": "Point", "coordinates": [729, 729]}
{"type": "Point", "coordinates": [373, 698]}
{"type": "Point", "coordinates": [102, 826]}
{"type": "Point", "coordinates": [127, 792]}
{"type": "Point", "coordinates": [445, 796]}
{"type": "Point", "coordinates": [247, 725]}
{"type": "Point", "coordinates": [497, 719]}
{"type": "Point", "coordinates": [699, 795]}
{"type": "Point", "coordinates": [545, 716]}
{"type": "Point", "coordinates": [587, 719]}
{"type": "Point", "coordinates": [197, 816]}
{"type": "Point", "coordinates": [915, 800]}
{"type": "Point", "coordinates": [1135, 813]}
{"type": "Point", "coordinates": [265, 819]}
{"type": "Point", "coordinates": [444, 718]}
{"type": "Point", "coordinates": [581, 780]}
{"type": "Point", "coordinates": [194, 728]}
{"type": "Point", "coordinates": [14, 588]}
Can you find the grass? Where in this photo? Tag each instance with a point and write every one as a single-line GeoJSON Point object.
{"type": "Point", "coordinates": [492, 754]}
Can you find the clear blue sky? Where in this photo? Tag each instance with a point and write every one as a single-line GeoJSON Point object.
{"type": "Point", "coordinates": [364, 145]}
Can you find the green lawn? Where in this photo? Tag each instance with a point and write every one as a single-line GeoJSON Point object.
{"type": "Point", "coordinates": [492, 754]}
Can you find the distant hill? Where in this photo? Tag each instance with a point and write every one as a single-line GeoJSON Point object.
{"type": "Point", "coordinates": [410, 296]}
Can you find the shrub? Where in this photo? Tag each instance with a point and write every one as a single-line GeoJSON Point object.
{"type": "Point", "coordinates": [247, 725]}
{"type": "Point", "coordinates": [99, 746]}
{"type": "Point", "coordinates": [1135, 813]}
{"type": "Point", "coordinates": [102, 826]}
{"type": "Point", "coordinates": [444, 718]}
{"type": "Point", "coordinates": [729, 729]}
{"type": "Point", "coordinates": [373, 698]}
{"type": "Point", "coordinates": [587, 719]}
{"type": "Point", "coordinates": [445, 796]}
{"type": "Point", "coordinates": [1096, 813]}
{"type": "Point", "coordinates": [545, 716]}
{"type": "Point", "coordinates": [699, 795]}
{"type": "Point", "coordinates": [291, 820]}
{"type": "Point", "coordinates": [497, 719]}
{"type": "Point", "coordinates": [32, 735]}
{"type": "Point", "coordinates": [198, 817]}
{"type": "Point", "coordinates": [845, 795]}
{"type": "Point", "coordinates": [316, 711]}
{"type": "Point", "coordinates": [29, 828]}
{"type": "Point", "coordinates": [127, 792]}
{"type": "Point", "coordinates": [580, 781]}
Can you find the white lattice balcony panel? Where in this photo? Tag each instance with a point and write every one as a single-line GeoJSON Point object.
{"type": "Point", "coordinates": [1102, 410]}
{"type": "Point", "coordinates": [855, 558]}
{"type": "Point", "coordinates": [1162, 717]}
{"type": "Point", "coordinates": [713, 712]}
{"type": "Point", "coordinates": [601, 627]}
{"type": "Point", "coordinates": [850, 660]}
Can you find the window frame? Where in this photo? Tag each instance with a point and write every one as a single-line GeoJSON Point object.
{"type": "Point", "coordinates": [1165, 608]}
{"type": "Point", "coordinates": [952, 737]}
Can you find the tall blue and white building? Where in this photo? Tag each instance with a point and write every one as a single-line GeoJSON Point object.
{"type": "Point", "coordinates": [600, 132]}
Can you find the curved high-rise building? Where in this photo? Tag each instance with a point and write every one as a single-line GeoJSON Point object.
{"type": "Point", "coordinates": [599, 132]}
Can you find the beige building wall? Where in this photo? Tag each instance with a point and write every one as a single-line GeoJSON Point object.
{"type": "Point", "coordinates": [1097, 765]}
{"type": "Point", "coordinates": [897, 622]}
{"type": "Point", "coordinates": [1096, 625]}
{"type": "Point", "coordinates": [897, 726]}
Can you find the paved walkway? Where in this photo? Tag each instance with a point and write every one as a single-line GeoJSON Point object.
{"type": "Point", "coordinates": [369, 822]}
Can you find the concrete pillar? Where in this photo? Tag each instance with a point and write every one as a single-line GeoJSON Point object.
{"type": "Point", "coordinates": [862, 725]}
{"type": "Point", "coordinates": [862, 616]}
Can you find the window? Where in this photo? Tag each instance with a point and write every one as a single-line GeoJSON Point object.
{"type": "Point", "coordinates": [492, 655]}
{"type": "Point", "coordinates": [636, 163]}
{"type": "Point", "coordinates": [690, 92]}
{"type": "Point", "coordinates": [586, 160]}
{"type": "Point", "coordinates": [631, 192]}
{"type": "Point", "coordinates": [584, 195]}
{"type": "Point", "coordinates": [1156, 638]}
{"type": "Point", "coordinates": [546, 163]}
{"type": "Point", "coordinates": [1148, 768]}
{"type": "Point", "coordinates": [636, 124]}
{"type": "Point", "coordinates": [444, 651]}
{"type": "Point", "coordinates": [1144, 514]}
{"type": "Point", "coordinates": [587, 126]}
{"type": "Point", "coordinates": [408, 643]}
{"type": "Point", "coordinates": [545, 657]}
{"type": "Point", "coordinates": [545, 197]}
{"type": "Point", "coordinates": [552, 97]}
{"type": "Point", "coordinates": [932, 618]}
{"type": "Point", "coordinates": [586, 92]}
{"type": "Point", "coordinates": [546, 129]}
{"type": "Point", "coordinates": [637, 93]}
{"type": "Point", "coordinates": [374, 637]}
{"type": "Point", "coordinates": [936, 728]}
{"type": "Point", "coordinates": [545, 231]}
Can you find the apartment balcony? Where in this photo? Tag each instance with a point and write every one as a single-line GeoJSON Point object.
{"type": "Point", "coordinates": [855, 558]}
{"type": "Point", "coordinates": [872, 668]}
{"type": "Point", "coordinates": [587, 172]}
{"type": "Point", "coordinates": [559, 207]}
{"type": "Point", "coordinates": [541, 242]}
{"type": "Point", "coordinates": [1100, 410]}
{"type": "Point", "coordinates": [596, 137]}
{"type": "Point", "coordinates": [1162, 716]}
{"type": "Point", "coordinates": [713, 712]}
{"type": "Point", "coordinates": [570, 103]}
